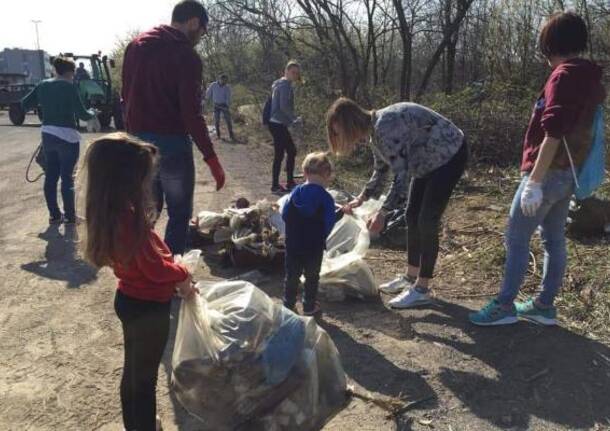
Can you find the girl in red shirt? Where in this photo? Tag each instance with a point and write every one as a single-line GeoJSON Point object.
{"type": "Point", "coordinates": [120, 214]}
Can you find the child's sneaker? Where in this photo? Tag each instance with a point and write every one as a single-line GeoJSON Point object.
{"type": "Point", "coordinates": [410, 298]}
{"type": "Point", "coordinates": [397, 285]}
{"type": "Point", "coordinates": [493, 314]}
{"type": "Point", "coordinates": [313, 311]}
{"type": "Point", "coordinates": [545, 316]}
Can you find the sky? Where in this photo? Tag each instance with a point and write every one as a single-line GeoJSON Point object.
{"type": "Point", "coordinates": [80, 27]}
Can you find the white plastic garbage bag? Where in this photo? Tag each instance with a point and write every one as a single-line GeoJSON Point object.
{"type": "Point", "coordinates": [242, 361]}
{"type": "Point", "coordinates": [344, 272]}
{"type": "Point", "coordinates": [208, 220]}
{"type": "Point", "coordinates": [343, 266]}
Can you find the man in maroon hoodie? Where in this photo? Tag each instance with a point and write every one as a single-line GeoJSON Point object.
{"type": "Point", "coordinates": [162, 89]}
{"type": "Point", "coordinates": [560, 127]}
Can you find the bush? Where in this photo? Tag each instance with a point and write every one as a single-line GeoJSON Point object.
{"type": "Point", "coordinates": [494, 119]}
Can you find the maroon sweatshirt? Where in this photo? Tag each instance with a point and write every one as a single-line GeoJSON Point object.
{"type": "Point", "coordinates": [162, 76]}
{"type": "Point", "coordinates": [565, 108]}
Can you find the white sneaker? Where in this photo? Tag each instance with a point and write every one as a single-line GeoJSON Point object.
{"type": "Point", "coordinates": [410, 298]}
{"type": "Point", "coordinates": [397, 285]}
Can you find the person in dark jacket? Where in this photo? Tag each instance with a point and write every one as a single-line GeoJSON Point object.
{"type": "Point", "coordinates": [61, 107]}
{"type": "Point", "coordinates": [560, 128]}
{"type": "Point", "coordinates": [162, 93]}
{"type": "Point", "coordinates": [309, 214]}
{"type": "Point", "coordinates": [282, 117]}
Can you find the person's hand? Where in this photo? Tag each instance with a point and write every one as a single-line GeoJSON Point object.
{"type": "Point", "coordinates": [531, 198]}
{"type": "Point", "coordinates": [217, 172]}
{"type": "Point", "coordinates": [376, 223]}
{"type": "Point", "coordinates": [349, 207]}
{"type": "Point", "coordinates": [187, 289]}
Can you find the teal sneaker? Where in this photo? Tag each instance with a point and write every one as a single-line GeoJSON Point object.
{"type": "Point", "coordinates": [527, 310]}
{"type": "Point", "coordinates": [493, 315]}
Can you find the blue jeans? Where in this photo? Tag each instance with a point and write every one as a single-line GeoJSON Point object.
{"type": "Point", "coordinates": [557, 188]}
{"type": "Point", "coordinates": [297, 265]}
{"type": "Point", "coordinates": [174, 184]}
{"type": "Point", "coordinates": [61, 158]}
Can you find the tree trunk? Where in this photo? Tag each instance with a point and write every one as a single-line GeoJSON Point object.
{"type": "Point", "coordinates": [407, 40]}
{"type": "Point", "coordinates": [463, 7]}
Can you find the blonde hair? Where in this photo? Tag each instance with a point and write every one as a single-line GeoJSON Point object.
{"type": "Point", "coordinates": [118, 170]}
{"type": "Point", "coordinates": [291, 64]}
{"type": "Point", "coordinates": [353, 123]}
{"type": "Point", "coordinates": [318, 163]}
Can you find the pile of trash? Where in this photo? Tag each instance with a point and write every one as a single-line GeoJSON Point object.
{"type": "Point", "coordinates": [256, 230]}
{"type": "Point", "coordinates": [256, 235]}
{"type": "Point", "coordinates": [243, 361]}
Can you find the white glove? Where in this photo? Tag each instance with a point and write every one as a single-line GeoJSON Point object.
{"type": "Point", "coordinates": [531, 198]}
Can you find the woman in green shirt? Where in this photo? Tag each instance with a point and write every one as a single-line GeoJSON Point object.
{"type": "Point", "coordinates": [61, 108]}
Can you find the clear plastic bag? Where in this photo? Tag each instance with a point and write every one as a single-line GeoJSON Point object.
{"type": "Point", "coordinates": [344, 272]}
{"type": "Point", "coordinates": [208, 220]}
{"type": "Point", "coordinates": [343, 266]}
{"type": "Point", "coordinates": [242, 361]}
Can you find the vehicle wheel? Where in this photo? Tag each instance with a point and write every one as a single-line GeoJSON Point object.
{"type": "Point", "coordinates": [105, 117]}
{"type": "Point", "coordinates": [16, 114]}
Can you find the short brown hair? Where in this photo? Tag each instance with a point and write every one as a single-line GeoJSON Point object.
{"type": "Point", "coordinates": [318, 163]}
{"type": "Point", "coordinates": [63, 65]}
{"type": "Point", "coordinates": [119, 171]}
{"type": "Point", "coordinates": [563, 34]}
{"type": "Point", "coordinates": [353, 121]}
{"type": "Point", "coordinates": [188, 9]}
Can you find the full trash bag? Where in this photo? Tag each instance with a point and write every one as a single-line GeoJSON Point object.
{"type": "Point", "coordinates": [344, 272]}
{"type": "Point", "coordinates": [242, 361]}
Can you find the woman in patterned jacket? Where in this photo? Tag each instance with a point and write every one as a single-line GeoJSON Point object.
{"type": "Point", "coordinates": [415, 141]}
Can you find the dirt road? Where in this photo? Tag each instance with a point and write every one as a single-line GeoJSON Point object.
{"type": "Point", "coordinates": [61, 346]}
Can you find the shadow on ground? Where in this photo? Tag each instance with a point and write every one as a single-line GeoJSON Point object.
{"type": "Point", "coordinates": [549, 373]}
{"type": "Point", "coordinates": [61, 260]}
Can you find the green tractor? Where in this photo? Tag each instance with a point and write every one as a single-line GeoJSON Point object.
{"type": "Point", "coordinates": [95, 88]}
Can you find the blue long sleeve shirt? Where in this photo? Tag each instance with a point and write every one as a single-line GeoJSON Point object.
{"type": "Point", "coordinates": [309, 215]}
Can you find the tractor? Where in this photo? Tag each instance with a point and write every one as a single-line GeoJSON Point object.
{"type": "Point", "coordinates": [95, 90]}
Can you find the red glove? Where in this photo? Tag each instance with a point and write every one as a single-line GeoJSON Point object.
{"type": "Point", "coordinates": [217, 172]}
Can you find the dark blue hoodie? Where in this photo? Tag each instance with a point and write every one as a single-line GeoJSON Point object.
{"type": "Point", "coordinates": [309, 215]}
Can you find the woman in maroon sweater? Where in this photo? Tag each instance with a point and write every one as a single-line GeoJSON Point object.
{"type": "Point", "coordinates": [562, 120]}
{"type": "Point", "coordinates": [119, 214]}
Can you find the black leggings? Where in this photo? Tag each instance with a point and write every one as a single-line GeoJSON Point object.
{"type": "Point", "coordinates": [282, 143]}
{"type": "Point", "coordinates": [428, 199]}
{"type": "Point", "coordinates": [145, 333]}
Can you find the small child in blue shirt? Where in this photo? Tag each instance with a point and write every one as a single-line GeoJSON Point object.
{"type": "Point", "coordinates": [309, 215]}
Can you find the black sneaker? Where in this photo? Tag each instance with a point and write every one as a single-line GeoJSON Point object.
{"type": "Point", "coordinates": [56, 220]}
{"type": "Point", "coordinates": [313, 311]}
{"type": "Point", "coordinates": [278, 190]}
